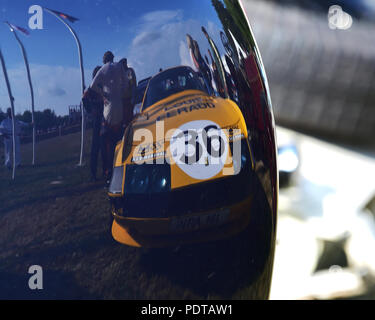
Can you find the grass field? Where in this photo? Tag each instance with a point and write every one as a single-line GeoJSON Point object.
{"type": "Point", "coordinates": [53, 216]}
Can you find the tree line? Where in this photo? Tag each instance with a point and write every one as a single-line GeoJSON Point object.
{"type": "Point", "coordinates": [44, 120]}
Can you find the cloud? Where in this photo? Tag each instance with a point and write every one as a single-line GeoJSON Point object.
{"type": "Point", "coordinates": [55, 87]}
{"type": "Point", "coordinates": [161, 16]}
{"type": "Point", "coordinates": [145, 38]}
{"type": "Point", "coordinates": [56, 92]}
{"type": "Point", "coordinates": [160, 41]}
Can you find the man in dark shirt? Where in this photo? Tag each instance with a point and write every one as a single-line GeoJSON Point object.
{"type": "Point", "coordinates": [93, 104]}
{"type": "Point", "coordinates": [130, 92]}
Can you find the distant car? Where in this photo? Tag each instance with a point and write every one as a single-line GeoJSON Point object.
{"type": "Point", "coordinates": [195, 196]}
{"type": "Point", "coordinates": [141, 88]}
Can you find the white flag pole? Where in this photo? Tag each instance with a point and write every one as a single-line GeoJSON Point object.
{"type": "Point", "coordinates": [82, 77]}
{"type": "Point", "coordinates": [12, 108]}
{"type": "Point", "coordinates": [30, 84]}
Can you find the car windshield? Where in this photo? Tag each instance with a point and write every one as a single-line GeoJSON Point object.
{"type": "Point", "coordinates": [170, 82]}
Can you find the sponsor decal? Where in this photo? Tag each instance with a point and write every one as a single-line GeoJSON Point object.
{"type": "Point", "coordinates": [146, 148]}
{"type": "Point", "coordinates": [187, 102]}
{"type": "Point", "coordinates": [174, 103]}
{"type": "Point", "coordinates": [236, 137]}
{"type": "Point", "coordinates": [152, 156]}
{"type": "Point", "coordinates": [175, 112]}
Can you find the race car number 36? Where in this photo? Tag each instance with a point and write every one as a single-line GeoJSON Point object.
{"type": "Point", "coordinates": [199, 148]}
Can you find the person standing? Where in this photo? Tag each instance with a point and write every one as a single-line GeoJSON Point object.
{"type": "Point", "coordinates": [111, 83]}
{"type": "Point", "coordinates": [93, 104]}
{"type": "Point", "coordinates": [130, 92]}
{"type": "Point", "coordinates": [6, 131]}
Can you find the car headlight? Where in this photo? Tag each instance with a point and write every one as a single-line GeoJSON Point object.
{"type": "Point", "coordinates": [115, 187]}
{"type": "Point", "coordinates": [147, 178]}
{"type": "Point", "coordinates": [288, 159]}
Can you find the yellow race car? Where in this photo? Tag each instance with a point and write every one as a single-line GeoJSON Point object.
{"type": "Point", "coordinates": [184, 171]}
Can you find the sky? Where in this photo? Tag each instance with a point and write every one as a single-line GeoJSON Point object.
{"type": "Point", "coordinates": [150, 34]}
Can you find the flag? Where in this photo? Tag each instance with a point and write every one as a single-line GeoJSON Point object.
{"type": "Point", "coordinates": [14, 27]}
{"type": "Point", "coordinates": [64, 15]}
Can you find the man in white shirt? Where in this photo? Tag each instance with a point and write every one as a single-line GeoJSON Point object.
{"type": "Point", "coordinates": [112, 83]}
{"type": "Point", "coordinates": [6, 130]}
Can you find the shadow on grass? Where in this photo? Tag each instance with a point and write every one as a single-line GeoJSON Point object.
{"type": "Point", "coordinates": [56, 285]}
{"type": "Point", "coordinates": [72, 161]}
{"type": "Point", "coordinates": [58, 193]}
{"type": "Point", "coordinates": [222, 268]}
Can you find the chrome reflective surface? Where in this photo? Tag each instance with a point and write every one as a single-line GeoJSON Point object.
{"type": "Point", "coordinates": [214, 39]}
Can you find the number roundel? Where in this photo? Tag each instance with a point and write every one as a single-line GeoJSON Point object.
{"type": "Point", "coordinates": [199, 148]}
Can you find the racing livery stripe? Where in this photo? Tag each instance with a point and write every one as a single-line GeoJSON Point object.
{"type": "Point", "coordinates": [163, 105]}
{"type": "Point", "coordinates": [198, 106]}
